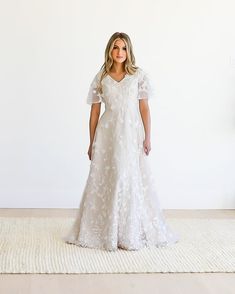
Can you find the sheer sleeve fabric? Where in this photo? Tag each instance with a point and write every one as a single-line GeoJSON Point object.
{"type": "Point", "coordinates": [145, 86]}
{"type": "Point", "coordinates": [93, 95]}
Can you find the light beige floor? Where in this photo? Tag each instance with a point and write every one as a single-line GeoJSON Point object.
{"type": "Point", "coordinates": [193, 283]}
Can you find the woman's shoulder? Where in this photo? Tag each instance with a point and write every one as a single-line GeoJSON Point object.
{"type": "Point", "coordinates": [98, 74]}
{"type": "Point", "coordinates": [96, 77]}
{"type": "Point", "coordinates": [141, 72]}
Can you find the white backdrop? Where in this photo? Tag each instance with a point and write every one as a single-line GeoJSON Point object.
{"type": "Point", "coordinates": [50, 52]}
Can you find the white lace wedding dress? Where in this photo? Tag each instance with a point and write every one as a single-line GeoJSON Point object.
{"type": "Point", "coordinates": [119, 207]}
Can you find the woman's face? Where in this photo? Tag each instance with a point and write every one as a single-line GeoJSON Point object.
{"type": "Point", "coordinates": [119, 51]}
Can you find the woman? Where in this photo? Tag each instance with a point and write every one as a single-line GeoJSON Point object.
{"type": "Point", "coordinates": [119, 206]}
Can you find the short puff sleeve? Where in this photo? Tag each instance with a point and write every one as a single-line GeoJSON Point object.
{"type": "Point", "coordinates": [145, 85]}
{"type": "Point", "coordinates": [93, 95]}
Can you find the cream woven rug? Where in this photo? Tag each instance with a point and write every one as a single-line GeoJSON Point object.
{"type": "Point", "coordinates": [34, 245]}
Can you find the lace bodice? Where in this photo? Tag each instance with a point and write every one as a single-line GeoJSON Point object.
{"type": "Point", "coordinates": [130, 88]}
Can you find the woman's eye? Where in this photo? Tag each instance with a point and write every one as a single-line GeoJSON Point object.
{"type": "Point", "coordinates": [117, 48]}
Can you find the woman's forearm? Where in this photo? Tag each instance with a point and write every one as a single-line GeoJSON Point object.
{"type": "Point", "coordinates": [92, 126]}
{"type": "Point", "coordinates": [94, 117]}
{"type": "Point", "coordinates": [146, 118]}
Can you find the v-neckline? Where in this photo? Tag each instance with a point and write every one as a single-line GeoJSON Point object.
{"type": "Point", "coordinates": [116, 80]}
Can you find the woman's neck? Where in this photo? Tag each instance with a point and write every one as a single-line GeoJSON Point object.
{"type": "Point", "coordinates": [117, 68]}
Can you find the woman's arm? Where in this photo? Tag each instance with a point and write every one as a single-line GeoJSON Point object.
{"type": "Point", "coordinates": [94, 117]}
{"type": "Point", "coordinates": [145, 114]}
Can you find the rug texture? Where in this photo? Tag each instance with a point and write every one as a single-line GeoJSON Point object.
{"type": "Point", "coordinates": [35, 245]}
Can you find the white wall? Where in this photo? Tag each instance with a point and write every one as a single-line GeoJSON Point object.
{"type": "Point", "coordinates": [50, 51]}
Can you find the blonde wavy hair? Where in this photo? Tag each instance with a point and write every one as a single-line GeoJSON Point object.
{"type": "Point", "coordinates": [129, 63]}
